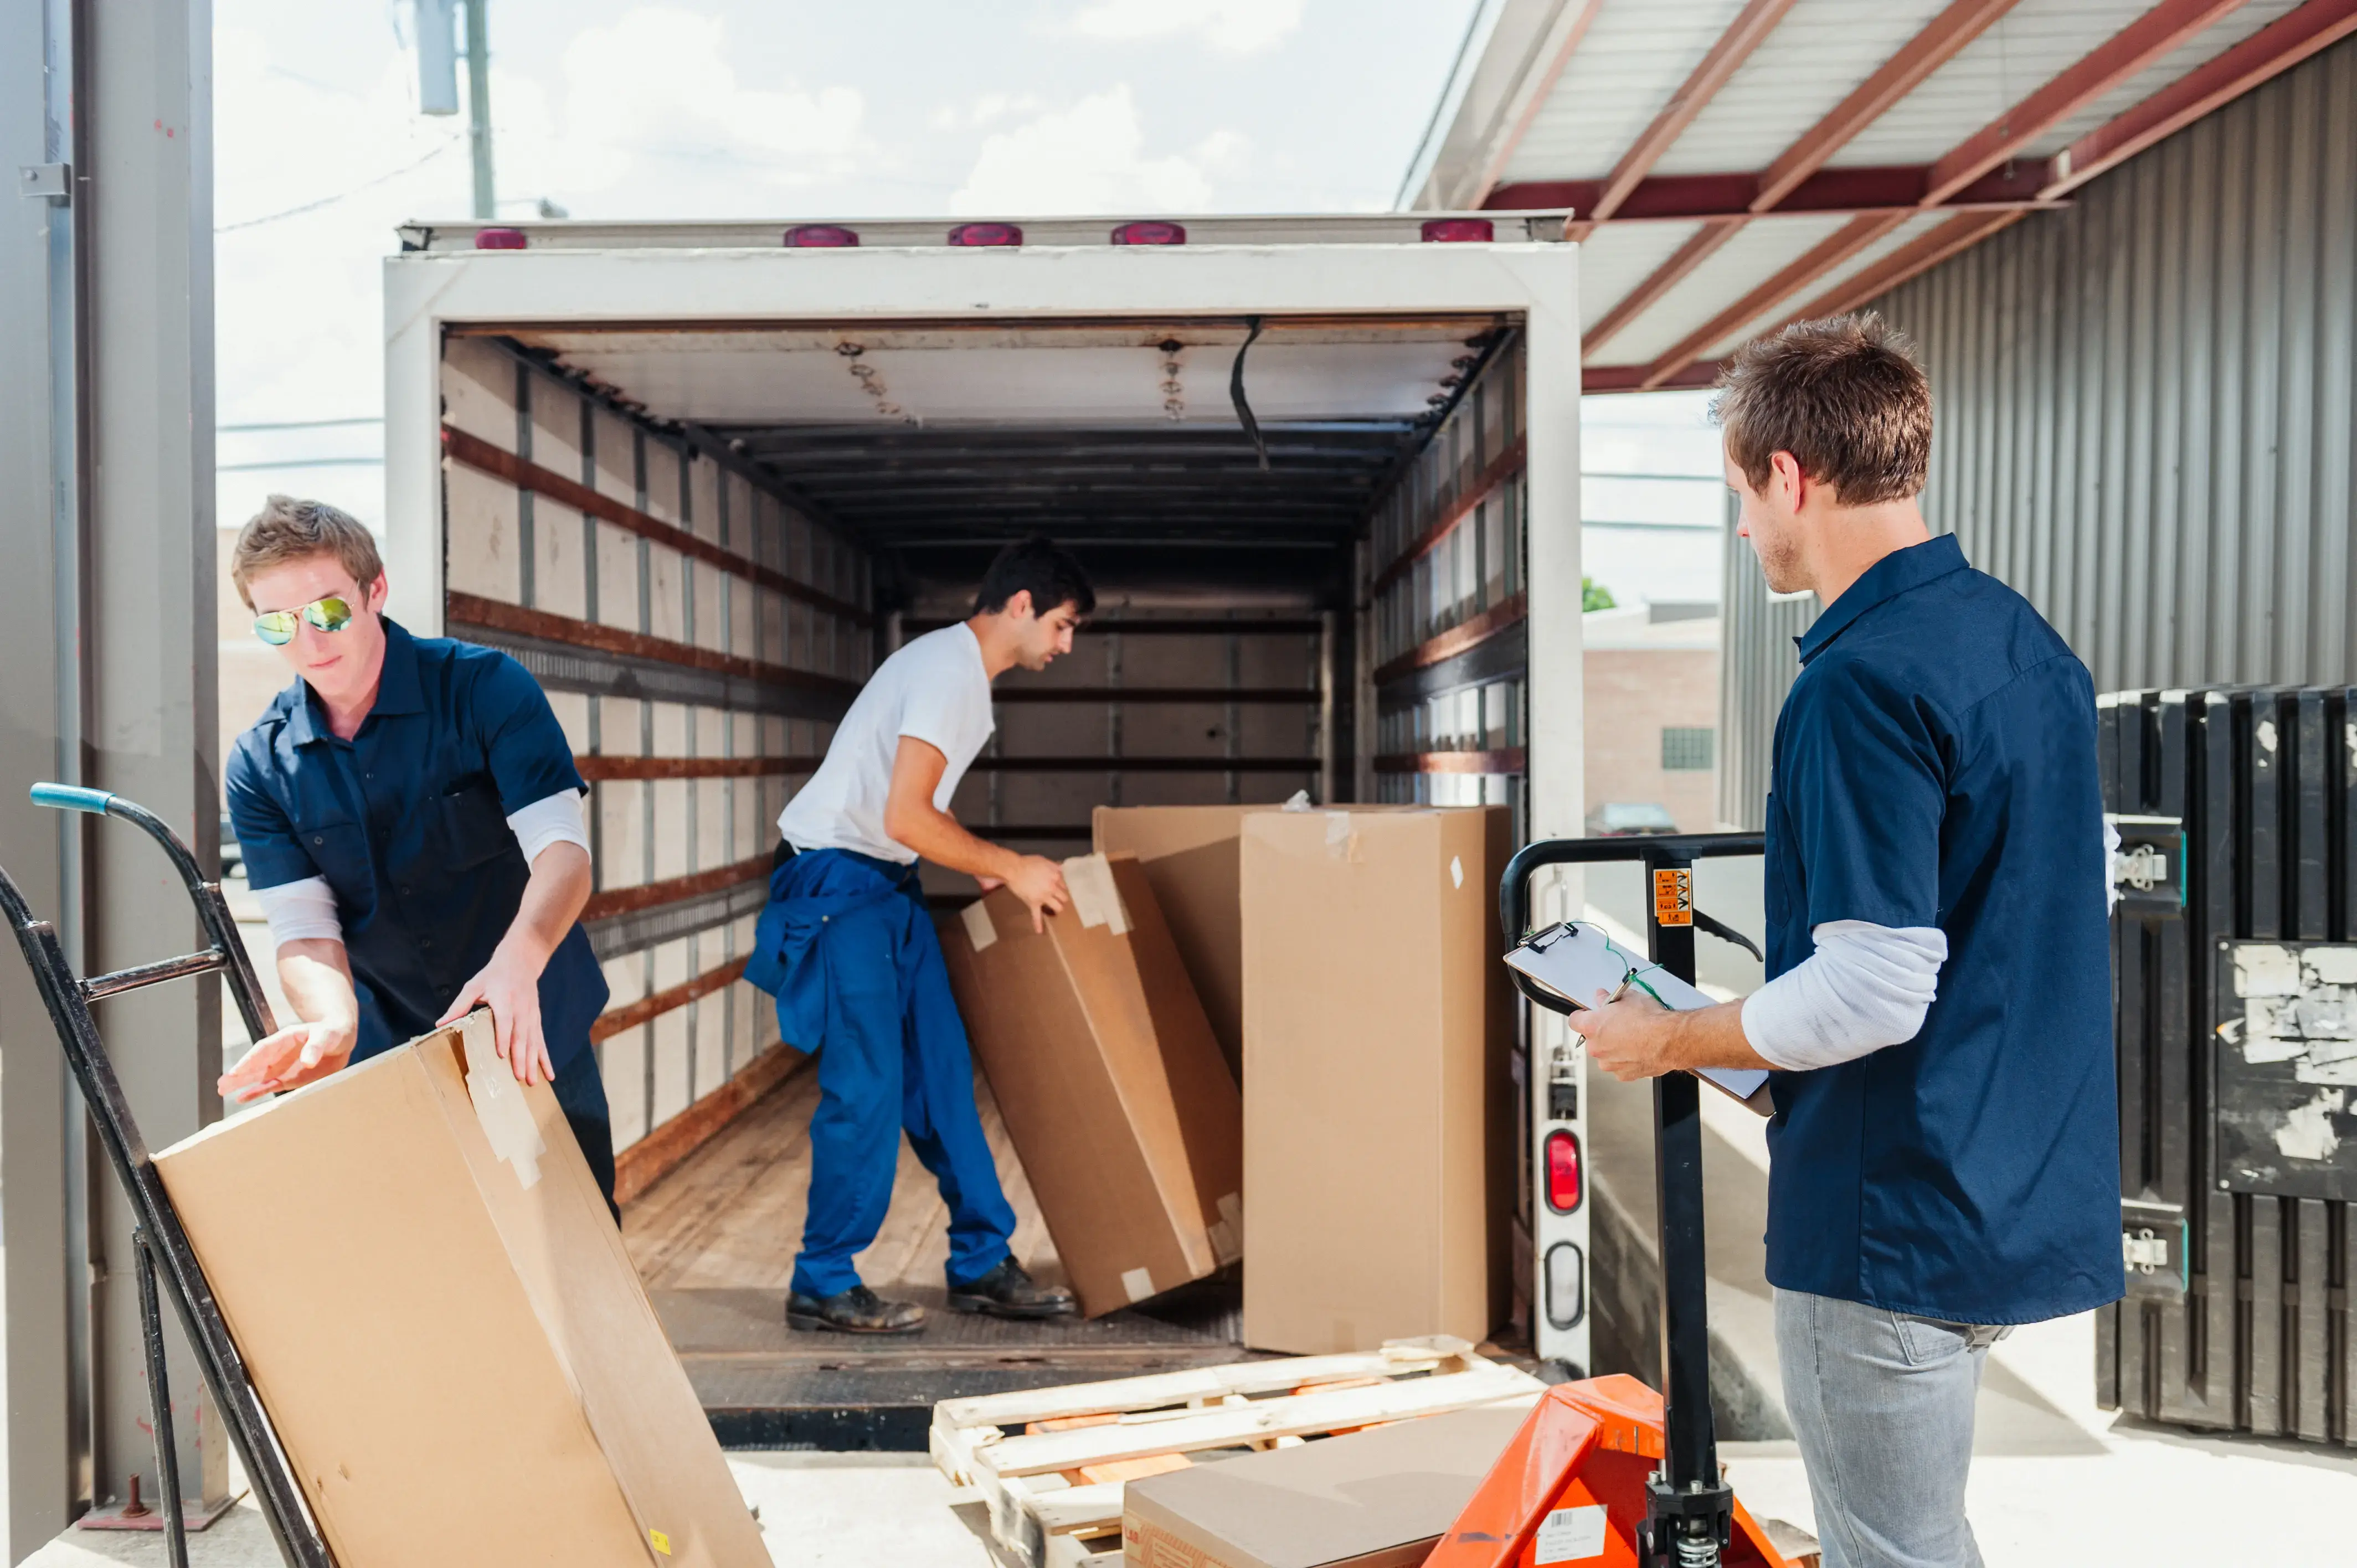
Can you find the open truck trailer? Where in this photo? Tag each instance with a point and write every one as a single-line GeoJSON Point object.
{"type": "Point", "coordinates": [701, 478]}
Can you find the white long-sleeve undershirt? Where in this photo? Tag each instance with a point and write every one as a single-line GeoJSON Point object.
{"type": "Point", "coordinates": [1865, 987]}
{"type": "Point", "coordinates": [306, 911]}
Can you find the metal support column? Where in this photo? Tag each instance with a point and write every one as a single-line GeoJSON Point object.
{"type": "Point", "coordinates": [106, 435]}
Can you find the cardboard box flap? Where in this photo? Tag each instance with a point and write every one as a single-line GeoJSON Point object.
{"type": "Point", "coordinates": [1368, 1497]}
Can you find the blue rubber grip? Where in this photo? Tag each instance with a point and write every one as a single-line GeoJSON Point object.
{"type": "Point", "coordinates": [73, 798]}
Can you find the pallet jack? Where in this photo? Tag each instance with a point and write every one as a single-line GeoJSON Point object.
{"type": "Point", "coordinates": [1616, 1472]}
{"type": "Point", "coordinates": [159, 1242]}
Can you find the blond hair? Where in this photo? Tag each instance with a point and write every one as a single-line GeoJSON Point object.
{"type": "Point", "coordinates": [286, 528]}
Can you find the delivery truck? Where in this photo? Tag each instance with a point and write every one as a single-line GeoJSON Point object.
{"type": "Point", "coordinates": [701, 477]}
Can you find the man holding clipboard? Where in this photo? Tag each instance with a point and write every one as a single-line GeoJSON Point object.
{"type": "Point", "coordinates": [1945, 1150]}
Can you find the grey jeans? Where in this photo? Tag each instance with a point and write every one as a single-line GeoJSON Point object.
{"type": "Point", "coordinates": [1882, 1404]}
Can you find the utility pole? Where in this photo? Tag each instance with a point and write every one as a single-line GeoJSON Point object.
{"type": "Point", "coordinates": [479, 107]}
{"type": "Point", "coordinates": [437, 83]}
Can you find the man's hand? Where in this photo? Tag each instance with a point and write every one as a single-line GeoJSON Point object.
{"type": "Point", "coordinates": [1039, 883]}
{"type": "Point", "coordinates": [295, 1056]}
{"type": "Point", "coordinates": [1632, 1036]}
{"type": "Point", "coordinates": [509, 987]}
{"type": "Point", "coordinates": [1628, 1038]}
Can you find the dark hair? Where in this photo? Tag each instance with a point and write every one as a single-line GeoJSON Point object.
{"type": "Point", "coordinates": [1047, 571]}
{"type": "Point", "coordinates": [1845, 396]}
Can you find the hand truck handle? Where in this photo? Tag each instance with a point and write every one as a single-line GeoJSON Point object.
{"type": "Point", "coordinates": [73, 798]}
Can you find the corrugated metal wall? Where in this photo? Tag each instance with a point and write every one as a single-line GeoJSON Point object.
{"type": "Point", "coordinates": [2145, 414]}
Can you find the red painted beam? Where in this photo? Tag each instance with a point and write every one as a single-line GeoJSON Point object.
{"type": "Point", "coordinates": [1926, 52]}
{"type": "Point", "coordinates": [1822, 258]}
{"type": "Point", "coordinates": [2274, 48]}
{"type": "Point", "coordinates": [1632, 378]}
{"type": "Point", "coordinates": [1958, 233]}
{"type": "Point", "coordinates": [2131, 49]}
{"type": "Point", "coordinates": [1638, 300]}
{"type": "Point", "coordinates": [1687, 198]}
{"type": "Point", "coordinates": [1745, 34]}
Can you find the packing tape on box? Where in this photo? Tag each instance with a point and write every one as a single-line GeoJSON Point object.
{"type": "Point", "coordinates": [499, 1102]}
{"type": "Point", "coordinates": [1138, 1284]}
{"type": "Point", "coordinates": [1341, 838]}
{"type": "Point", "coordinates": [1095, 899]}
{"type": "Point", "coordinates": [978, 929]}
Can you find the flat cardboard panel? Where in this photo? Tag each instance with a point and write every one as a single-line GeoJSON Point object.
{"type": "Point", "coordinates": [1070, 1055]}
{"type": "Point", "coordinates": [1373, 1038]}
{"type": "Point", "coordinates": [1189, 854]}
{"type": "Point", "coordinates": [1371, 1500]}
{"type": "Point", "coordinates": [461, 1367]}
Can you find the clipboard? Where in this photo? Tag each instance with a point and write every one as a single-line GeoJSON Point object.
{"type": "Point", "coordinates": [1575, 960]}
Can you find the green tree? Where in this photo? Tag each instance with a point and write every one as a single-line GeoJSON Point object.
{"type": "Point", "coordinates": [1594, 596]}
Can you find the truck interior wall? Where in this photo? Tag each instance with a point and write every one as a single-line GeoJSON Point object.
{"type": "Point", "coordinates": [683, 787]}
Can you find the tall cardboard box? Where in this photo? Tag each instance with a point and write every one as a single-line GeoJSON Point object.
{"type": "Point", "coordinates": [1379, 1120]}
{"type": "Point", "coordinates": [438, 1315]}
{"type": "Point", "coordinates": [1104, 1069]}
{"type": "Point", "coordinates": [1189, 856]}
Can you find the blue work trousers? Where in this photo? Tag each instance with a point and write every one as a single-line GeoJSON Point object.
{"type": "Point", "coordinates": [847, 948]}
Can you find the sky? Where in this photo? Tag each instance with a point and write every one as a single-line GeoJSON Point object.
{"type": "Point", "coordinates": [783, 110]}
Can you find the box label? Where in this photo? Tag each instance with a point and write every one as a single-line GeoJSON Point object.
{"type": "Point", "coordinates": [1570, 1535]}
{"type": "Point", "coordinates": [660, 1541]}
{"type": "Point", "coordinates": [978, 929]}
{"type": "Point", "coordinates": [1674, 897]}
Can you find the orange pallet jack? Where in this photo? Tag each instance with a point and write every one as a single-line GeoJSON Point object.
{"type": "Point", "coordinates": [1607, 1472]}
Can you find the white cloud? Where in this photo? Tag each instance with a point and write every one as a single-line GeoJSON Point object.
{"type": "Point", "coordinates": [1239, 26]}
{"type": "Point", "coordinates": [1091, 158]}
{"type": "Point", "coordinates": [655, 94]}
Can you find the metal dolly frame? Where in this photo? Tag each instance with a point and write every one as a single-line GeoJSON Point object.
{"type": "Point", "coordinates": [159, 1241]}
{"type": "Point", "coordinates": [1691, 1507]}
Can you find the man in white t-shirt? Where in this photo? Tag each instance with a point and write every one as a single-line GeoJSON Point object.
{"type": "Point", "coordinates": [846, 945]}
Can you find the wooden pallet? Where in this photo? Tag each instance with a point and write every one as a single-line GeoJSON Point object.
{"type": "Point", "coordinates": [1050, 1462]}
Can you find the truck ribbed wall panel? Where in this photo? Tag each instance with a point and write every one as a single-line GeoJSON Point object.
{"type": "Point", "coordinates": [2145, 414]}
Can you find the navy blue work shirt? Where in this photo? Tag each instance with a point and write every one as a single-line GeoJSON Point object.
{"type": "Point", "coordinates": [1935, 766]}
{"type": "Point", "coordinates": [407, 821]}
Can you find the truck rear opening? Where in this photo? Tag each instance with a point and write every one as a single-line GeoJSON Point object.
{"type": "Point", "coordinates": [1322, 472]}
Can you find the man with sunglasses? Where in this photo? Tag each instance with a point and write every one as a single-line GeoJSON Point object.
{"type": "Point", "coordinates": [411, 822]}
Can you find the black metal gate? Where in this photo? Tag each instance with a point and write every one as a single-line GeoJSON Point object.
{"type": "Point", "coordinates": [2236, 969]}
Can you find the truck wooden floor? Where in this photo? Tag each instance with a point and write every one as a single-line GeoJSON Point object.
{"type": "Point", "coordinates": [715, 1242]}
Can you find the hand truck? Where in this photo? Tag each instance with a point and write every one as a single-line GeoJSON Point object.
{"type": "Point", "coordinates": [1691, 1510]}
{"type": "Point", "coordinates": [158, 1241]}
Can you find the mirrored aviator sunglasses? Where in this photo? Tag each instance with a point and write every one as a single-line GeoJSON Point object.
{"type": "Point", "coordinates": [276, 627]}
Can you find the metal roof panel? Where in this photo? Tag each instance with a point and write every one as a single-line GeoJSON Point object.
{"type": "Point", "coordinates": [1744, 263]}
{"type": "Point", "coordinates": [1617, 257]}
{"type": "Point", "coordinates": [1635, 54]}
{"type": "Point", "coordinates": [2204, 47]}
{"type": "Point", "coordinates": [1906, 233]}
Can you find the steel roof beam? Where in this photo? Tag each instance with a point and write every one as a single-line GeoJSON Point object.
{"type": "Point", "coordinates": [1822, 258]}
{"type": "Point", "coordinates": [1713, 234]}
{"type": "Point", "coordinates": [1745, 34]}
{"type": "Point", "coordinates": [2147, 39]}
{"type": "Point", "coordinates": [2275, 48]}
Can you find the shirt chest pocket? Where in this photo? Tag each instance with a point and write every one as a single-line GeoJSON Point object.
{"type": "Point", "coordinates": [465, 827]}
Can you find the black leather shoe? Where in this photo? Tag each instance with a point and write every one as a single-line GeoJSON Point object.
{"type": "Point", "coordinates": [1007, 1291]}
{"type": "Point", "coordinates": [856, 1311]}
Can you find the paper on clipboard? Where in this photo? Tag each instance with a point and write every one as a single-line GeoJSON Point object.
{"type": "Point", "coordinates": [1576, 959]}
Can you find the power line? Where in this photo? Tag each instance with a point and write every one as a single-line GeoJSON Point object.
{"type": "Point", "coordinates": [330, 200]}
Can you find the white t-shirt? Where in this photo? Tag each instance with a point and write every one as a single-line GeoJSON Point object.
{"type": "Point", "coordinates": [934, 690]}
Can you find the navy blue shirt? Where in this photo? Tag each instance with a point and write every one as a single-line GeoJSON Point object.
{"type": "Point", "coordinates": [1935, 766]}
{"type": "Point", "coordinates": [407, 821]}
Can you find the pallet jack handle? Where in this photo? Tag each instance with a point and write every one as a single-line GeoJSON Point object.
{"type": "Point", "coordinates": [1691, 1510]}
{"type": "Point", "coordinates": [160, 1242]}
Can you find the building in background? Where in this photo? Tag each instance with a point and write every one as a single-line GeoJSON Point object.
{"type": "Point", "coordinates": [1650, 675]}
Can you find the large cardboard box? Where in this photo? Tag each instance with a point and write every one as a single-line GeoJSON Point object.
{"type": "Point", "coordinates": [1104, 1066]}
{"type": "Point", "coordinates": [1372, 1499]}
{"type": "Point", "coordinates": [438, 1315]}
{"type": "Point", "coordinates": [1189, 856]}
{"type": "Point", "coordinates": [1379, 1118]}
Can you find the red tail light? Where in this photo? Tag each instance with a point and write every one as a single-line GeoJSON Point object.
{"type": "Point", "coordinates": [1150, 234]}
{"type": "Point", "coordinates": [1562, 1171]}
{"type": "Point", "coordinates": [498, 240]}
{"type": "Point", "coordinates": [1458, 231]}
{"type": "Point", "coordinates": [820, 236]}
{"type": "Point", "coordinates": [985, 234]}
